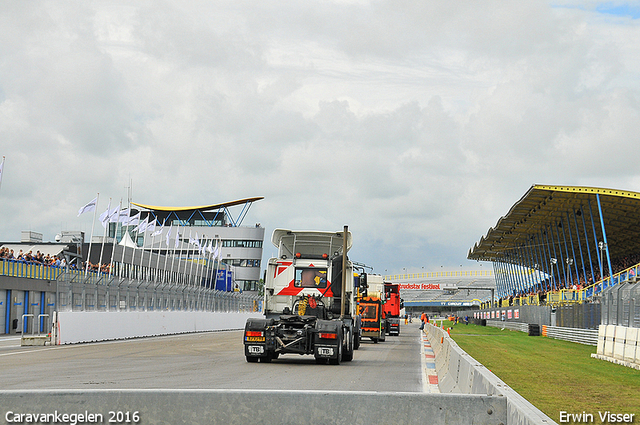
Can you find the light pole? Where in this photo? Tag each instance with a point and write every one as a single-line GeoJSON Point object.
{"type": "Point", "coordinates": [567, 272]}
{"type": "Point", "coordinates": [553, 275]}
{"type": "Point", "coordinates": [602, 247]}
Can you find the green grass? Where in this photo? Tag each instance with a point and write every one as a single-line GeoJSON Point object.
{"type": "Point", "coordinates": [553, 375]}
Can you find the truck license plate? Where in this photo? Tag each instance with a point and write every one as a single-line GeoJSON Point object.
{"type": "Point", "coordinates": [324, 351]}
{"type": "Point", "coordinates": [256, 349]}
{"type": "Point", "coordinates": [255, 339]}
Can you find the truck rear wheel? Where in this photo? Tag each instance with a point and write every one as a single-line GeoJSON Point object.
{"type": "Point", "coordinates": [347, 353]}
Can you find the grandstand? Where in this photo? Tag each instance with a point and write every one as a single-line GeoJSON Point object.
{"type": "Point", "coordinates": [563, 244]}
{"type": "Point", "coordinates": [444, 291]}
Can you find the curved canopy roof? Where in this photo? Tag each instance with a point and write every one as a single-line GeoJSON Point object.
{"type": "Point", "coordinates": [545, 210]}
{"type": "Point", "coordinates": [200, 208]}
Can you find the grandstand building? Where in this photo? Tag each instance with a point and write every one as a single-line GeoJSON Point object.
{"type": "Point", "coordinates": [212, 225]}
{"type": "Point", "coordinates": [563, 243]}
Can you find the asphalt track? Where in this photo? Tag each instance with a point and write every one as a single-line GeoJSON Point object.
{"type": "Point", "coordinates": [212, 360]}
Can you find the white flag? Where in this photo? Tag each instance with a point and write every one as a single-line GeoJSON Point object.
{"type": "Point", "coordinates": [132, 221]}
{"type": "Point", "coordinates": [113, 218]}
{"type": "Point", "coordinates": [91, 206]}
{"type": "Point", "coordinates": [209, 247]}
{"type": "Point", "coordinates": [123, 216]}
{"type": "Point", "coordinates": [158, 231]}
{"type": "Point", "coordinates": [104, 217]}
{"type": "Point", "coordinates": [140, 228]}
{"type": "Point", "coordinates": [169, 234]}
{"type": "Point", "coordinates": [177, 236]}
{"type": "Point", "coordinates": [151, 226]}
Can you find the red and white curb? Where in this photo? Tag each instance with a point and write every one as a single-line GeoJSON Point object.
{"type": "Point", "coordinates": [429, 375]}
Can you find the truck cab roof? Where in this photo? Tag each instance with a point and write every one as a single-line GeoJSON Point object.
{"type": "Point", "coordinates": [308, 243]}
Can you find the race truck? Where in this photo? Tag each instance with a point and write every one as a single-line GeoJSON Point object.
{"type": "Point", "coordinates": [309, 303]}
{"type": "Point", "coordinates": [370, 307]}
{"type": "Point", "coordinates": [392, 307]}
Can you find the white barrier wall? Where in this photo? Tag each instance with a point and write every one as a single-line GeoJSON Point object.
{"type": "Point", "coordinates": [458, 372]}
{"type": "Point", "coordinates": [619, 344]}
{"type": "Point", "coordinates": [91, 326]}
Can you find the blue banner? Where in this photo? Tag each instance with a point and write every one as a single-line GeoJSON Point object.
{"type": "Point", "coordinates": [224, 280]}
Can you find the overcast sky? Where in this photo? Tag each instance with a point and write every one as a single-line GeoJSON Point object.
{"type": "Point", "coordinates": [418, 124]}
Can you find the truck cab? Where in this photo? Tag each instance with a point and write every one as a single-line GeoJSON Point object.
{"type": "Point", "coordinates": [307, 310]}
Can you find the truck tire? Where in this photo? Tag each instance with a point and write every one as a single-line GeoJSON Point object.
{"type": "Point", "coordinates": [251, 359]}
{"type": "Point", "coordinates": [347, 353]}
{"type": "Point", "coordinates": [356, 342]}
{"type": "Point", "coordinates": [357, 337]}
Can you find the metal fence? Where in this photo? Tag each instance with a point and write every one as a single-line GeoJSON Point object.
{"type": "Point", "coordinates": [583, 316]}
{"type": "Point", "coordinates": [79, 291]}
{"type": "Point", "coordinates": [580, 316]}
{"type": "Point", "coordinates": [621, 305]}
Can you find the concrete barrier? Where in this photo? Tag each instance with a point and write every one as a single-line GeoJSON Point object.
{"type": "Point", "coordinates": [459, 372]}
{"type": "Point", "coordinates": [234, 407]}
{"type": "Point", "coordinates": [619, 344]}
{"type": "Point", "coordinates": [91, 326]}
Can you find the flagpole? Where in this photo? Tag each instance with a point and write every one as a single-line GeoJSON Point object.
{"type": "Point", "coordinates": [115, 239]}
{"type": "Point", "coordinates": [217, 264]}
{"type": "Point", "coordinates": [104, 235]}
{"type": "Point", "coordinates": [214, 254]}
{"type": "Point", "coordinates": [95, 211]}
{"type": "Point", "coordinates": [203, 251]}
{"type": "Point", "coordinates": [158, 259]}
{"type": "Point", "coordinates": [144, 238]}
{"type": "Point", "coordinates": [128, 223]}
{"type": "Point", "coordinates": [135, 242]}
{"type": "Point", "coordinates": [153, 239]}
{"type": "Point", "coordinates": [1, 169]}
{"type": "Point", "coordinates": [164, 272]}
{"type": "Point", "coordinates": [180, 255]}
{"type": "Point", "coordinates": [175, 245]}
{"type": "Point", "coordinates": [191, 266]}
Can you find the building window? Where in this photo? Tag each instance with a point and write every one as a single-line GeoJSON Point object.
{"type": "Point", "coordinates": [241, 244]}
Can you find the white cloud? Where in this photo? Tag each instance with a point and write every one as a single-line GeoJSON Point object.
{"type": "Point", "coordinates": [417, 124]}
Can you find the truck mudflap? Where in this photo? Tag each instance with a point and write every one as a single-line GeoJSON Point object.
{"type": "Point", "coordinates": [328, 341]}
{"type": "Point", "coordinates": [257, 345]}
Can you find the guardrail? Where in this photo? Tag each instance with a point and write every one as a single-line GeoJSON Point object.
{"type": "Point", "coordinates": [580, 336]}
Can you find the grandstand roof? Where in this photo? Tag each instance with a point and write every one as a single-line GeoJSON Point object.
{"type": "Point", "coordinates": [545, 208]}
{"type": "Point", "coordinates": [204, 213]}
{"type": "Point", "coordinates": [200, 208]}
